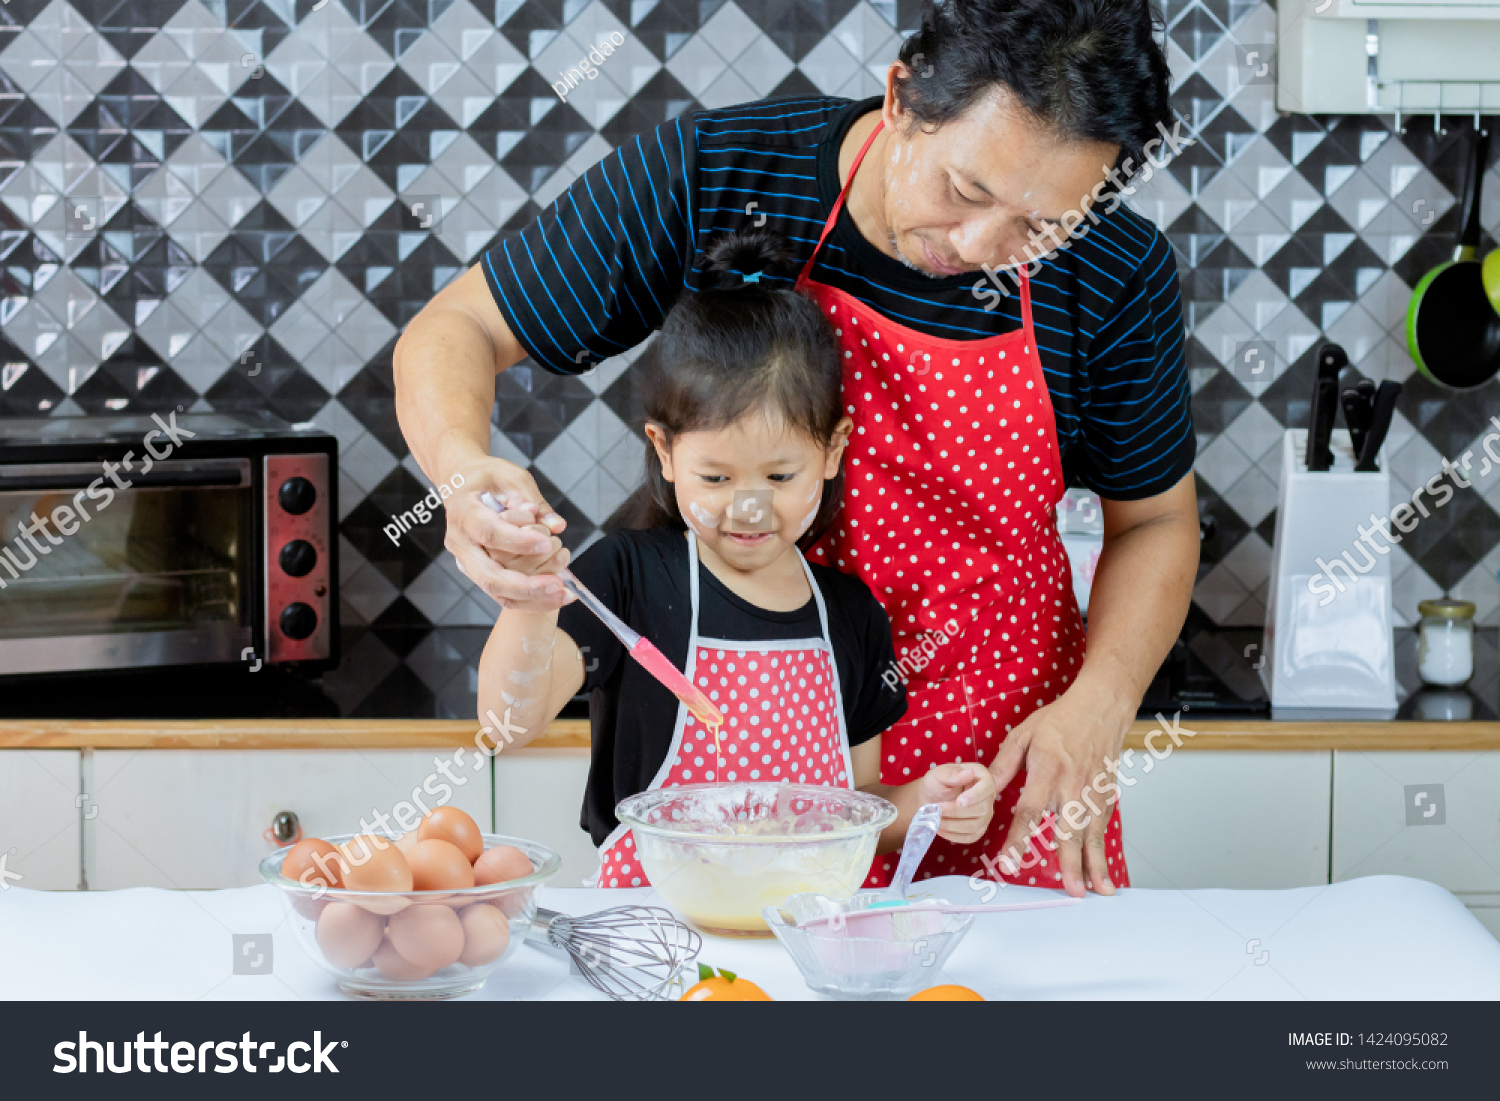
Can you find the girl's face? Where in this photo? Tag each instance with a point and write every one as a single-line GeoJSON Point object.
{"type": "Point", "coordinates": [783, 467]}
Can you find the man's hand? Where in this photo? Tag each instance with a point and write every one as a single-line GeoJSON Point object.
{"type": "Point", "coordinates": [503, 553]}
{"type": "Point", "coordinates": [966, 793]}
{"type": "Point", "coordinates": [1063, 747]}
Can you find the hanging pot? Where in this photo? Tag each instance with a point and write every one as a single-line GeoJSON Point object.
{"type": "Point", "coordinates": [1452, 324]}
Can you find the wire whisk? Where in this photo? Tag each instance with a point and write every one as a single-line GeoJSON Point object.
{"type": "Point", "coordinates": [630, 953]}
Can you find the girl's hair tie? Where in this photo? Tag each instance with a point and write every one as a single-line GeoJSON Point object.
{"type": "Point", "coordinates": [753, 277]}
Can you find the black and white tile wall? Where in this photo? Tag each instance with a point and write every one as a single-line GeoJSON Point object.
{"type": "Point", "coordinates": [210, 204]}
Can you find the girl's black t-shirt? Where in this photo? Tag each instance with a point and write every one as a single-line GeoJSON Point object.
{"type": "Point", "coordinates": [643, 577]}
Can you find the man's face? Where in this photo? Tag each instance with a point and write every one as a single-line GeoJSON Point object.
{"type": "Point", "coordinates": [984, 186]}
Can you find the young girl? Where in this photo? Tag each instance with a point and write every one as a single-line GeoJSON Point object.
{"type": "Point", "coordinates": [746, 434]}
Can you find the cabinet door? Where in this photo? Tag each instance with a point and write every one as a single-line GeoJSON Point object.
{"type": "Point", "coordinates": [538, 795]}
{"type": "Point", "coordinates": [1434, 816]}
{"type": "Point", "coordinates": [39, 815]}
{"type": "Point", "coordinates": [1204, 818]}
{"type": "Point", "coordinates": [197, 817]}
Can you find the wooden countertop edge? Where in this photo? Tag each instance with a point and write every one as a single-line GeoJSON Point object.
{"type": "Point", "coordinates": [1254, 736]}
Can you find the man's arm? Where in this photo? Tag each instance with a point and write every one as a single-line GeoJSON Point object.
{"type": "Point", "coordinates": [445, 366]}
{"type": "Point", "coordinates": [1140, 596]}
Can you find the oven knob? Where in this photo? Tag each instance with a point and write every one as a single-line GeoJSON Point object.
{"type": "Point", "coordinates": [298, 620]}
{"type": "Point", "coordinates": [297, 495]}
{"type": "Point", "coordinates": [298, 558]}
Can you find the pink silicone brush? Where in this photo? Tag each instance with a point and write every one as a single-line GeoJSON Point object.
{"type": "Point", "coordinates": [650, 658]}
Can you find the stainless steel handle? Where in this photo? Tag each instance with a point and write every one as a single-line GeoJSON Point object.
{"type": "Point", "coordinates": [285, 826]}
{"type": "Point", "coordinates": [171, 473]}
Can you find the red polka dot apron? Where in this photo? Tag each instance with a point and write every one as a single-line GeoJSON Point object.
{"type": "Point", "coordinates": [783, 721]}
{"type": "Point", "coordinates": [952, 481]}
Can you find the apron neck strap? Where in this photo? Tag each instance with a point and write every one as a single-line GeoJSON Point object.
{"type": "Point", "coordinates": [693, 602]}
{"type": "Point", "coordinates": [838, 204]}
{"type": "Point", "coordinates": [833, 217]}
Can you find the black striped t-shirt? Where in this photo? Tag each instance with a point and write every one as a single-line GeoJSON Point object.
{"type": "Point", "coordinates": [596, 273]}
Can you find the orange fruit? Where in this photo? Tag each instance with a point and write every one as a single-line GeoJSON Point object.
{"type": "Point", "coordinates": [946, 993]}
{"type": "Point", "coordinates": [726, 986]}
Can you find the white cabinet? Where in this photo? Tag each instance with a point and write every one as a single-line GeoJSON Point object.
{"type": "Point", "coordinates": [1223, 819]}
{"type": "Point", "coordinates": [39, 817]}
{"type": "Point", "coordinates": [196, 818]}
{"type": "Point", "coordinates": [538, 796]}
{"type": "Point", "coordinates": [1435, 816]}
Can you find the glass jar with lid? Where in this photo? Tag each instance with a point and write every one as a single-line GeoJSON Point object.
{"type": "Point", "coordinates": [1445, 648]}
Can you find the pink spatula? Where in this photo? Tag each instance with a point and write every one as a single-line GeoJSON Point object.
{"type": "Point", "coordinates": [650, 658]}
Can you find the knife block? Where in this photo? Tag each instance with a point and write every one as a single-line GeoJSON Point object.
{"type": "Point", "coordinates": [1329, 642]}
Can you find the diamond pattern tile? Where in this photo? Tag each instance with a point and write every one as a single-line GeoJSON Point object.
{"type": "Point", "coordinates": [202, 204]}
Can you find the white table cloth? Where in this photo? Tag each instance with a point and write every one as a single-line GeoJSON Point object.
{"type": "Point", "coordinates": [1384, 937]}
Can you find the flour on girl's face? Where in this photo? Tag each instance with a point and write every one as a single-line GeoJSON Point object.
{"type": "Point", "coordinates": [806, 522]}
{"type": "Point", "coordinates": [703, 516]}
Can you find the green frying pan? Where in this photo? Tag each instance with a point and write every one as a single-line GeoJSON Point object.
{"type": "Point", "coordinates": [1490, 270]}
{"type": "Point", "coordinates": [1452, 323]}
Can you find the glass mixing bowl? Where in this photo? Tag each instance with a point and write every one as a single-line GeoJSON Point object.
{"type": "Point", "coordinates": [353, 921]}
{"type": "Point", "coordinates": [861, 954]}
{"type": "Point", "coordinates": [721, 853]}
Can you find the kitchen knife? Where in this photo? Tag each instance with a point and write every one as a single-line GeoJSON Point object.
{"type": "Point", "coordinates": [1380, 424]}
{"type": "Point", "coordinates": [1331, 360]}
{"type": "Point", "coordinates": [1356, 416]}
{"type": "Point", "coordinates": [1325, 405]}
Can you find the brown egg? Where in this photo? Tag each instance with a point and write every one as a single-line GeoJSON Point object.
{"type": "Point", "coordinates": [374, 864]}
{"type": "Point", "coordinates": [438, 865]}
{"type": "Point", "coordinates": [317, 860]}
{"type": "Point", "coordinates": [428, 936]}
{"type": "Point", "coordinates": [501, 864]}
{"type": "Point", "coordinates": [486, 934]}
{"type": "Point", "coordinates": [347, 934]}
{"type": "Point", "coordinates": [308, 906]}
{"type": "Point", "coordinates": [406, 841]}
{"type": "Point", "coordinates": [396, 966]}
{"type": "Point", "coordinates": [453, 825]}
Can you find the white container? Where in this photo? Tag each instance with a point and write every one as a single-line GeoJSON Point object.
{"type": "Point", "coordinates": [1080, 522]}
{"type": "Point", "coordinates": [1445, 648]}
{"type": "Point", "coordinates": [1328, 617]}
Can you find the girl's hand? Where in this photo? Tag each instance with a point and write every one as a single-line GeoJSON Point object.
{"type": "Point", "coordinates": [523, 515]}
{"type": "Point", "coordinates": [488, 547]}
{"type": "Point", "coordinates": [966, 792]}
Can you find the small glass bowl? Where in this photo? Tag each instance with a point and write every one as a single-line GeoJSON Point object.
{"type": "Point", "coordinates": [861, 954]}
{"type": "Point", "coordinates": [721, 853]}
{"type": "Point", "coordinates": [349, 919]}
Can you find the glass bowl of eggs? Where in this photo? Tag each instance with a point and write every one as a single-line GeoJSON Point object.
{"type": "Point", "coordinates": [429, 914]}
{"type": "Point", "coordinates": [721, 853]}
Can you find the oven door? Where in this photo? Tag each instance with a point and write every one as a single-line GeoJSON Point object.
{"type": "Point", "coordinates": [97, 577]}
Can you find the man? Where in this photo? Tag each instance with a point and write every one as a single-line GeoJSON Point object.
{"type": "Point", "coordinates": [1006, 133]}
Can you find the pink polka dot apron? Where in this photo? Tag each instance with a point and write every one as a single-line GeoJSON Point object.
{"type": "Point", "coordinates": [952, 481]}
{"type": "Point", "coordinates": [783, 721]}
